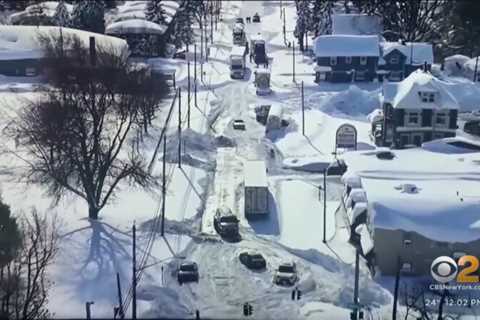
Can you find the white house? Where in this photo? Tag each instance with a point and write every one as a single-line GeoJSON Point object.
{"type": "Point", "coordinates": [418, 109]}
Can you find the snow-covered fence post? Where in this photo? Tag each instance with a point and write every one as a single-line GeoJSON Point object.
{"type": "Point", "coordinates": [355, 287]}
{"type": "Point", "coordinates": [134, 273]}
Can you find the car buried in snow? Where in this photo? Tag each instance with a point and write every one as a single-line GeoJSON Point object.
{"type": "Point", "coordinates": [187, 272]}
{"type": "Point", "coordinates": [226, 223]}
{"type": "Point", "coordinates": [286, 274]}
{"type": "Point", "coordinates": [252, 260]}
{"type": "Point", "coordinates": [238, 124]}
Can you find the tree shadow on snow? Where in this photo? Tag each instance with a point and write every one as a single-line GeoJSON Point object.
{"type": "Point", "coordinates": [268, 225]}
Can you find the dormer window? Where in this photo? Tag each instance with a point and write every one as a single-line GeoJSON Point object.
{"type": "Point", "coordinates": [427, 96]}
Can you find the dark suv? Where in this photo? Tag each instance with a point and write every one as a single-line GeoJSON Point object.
{"type": "Point", "coordinates": [226, 223]}
{"type": "Point", "coordinates": [251, 260]}
{"type": "Point", "coordinates": [187, 272]}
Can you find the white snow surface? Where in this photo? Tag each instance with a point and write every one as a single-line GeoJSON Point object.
{"type": "Point", "coordinates": [21, 42]}
{"type": "Point", "coordinates": [346, 46]}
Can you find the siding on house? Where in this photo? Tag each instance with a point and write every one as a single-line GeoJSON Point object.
{"type": "Point", "coordinates": [341, 71]}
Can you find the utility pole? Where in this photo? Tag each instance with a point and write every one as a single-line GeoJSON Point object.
{"type": "Point", "coordinates": [195, 73]}
{"type": "Point", "coordinates": [476, 68]}
{"type": "Point", "coordinates": [119, 292]}
{"type": "Point", "coordinates": [284, 28]}
{"type": "Point", "coordinates": [211, 23]}
{"type": "Point", "coordinates": [395, 292]}
{"type": "Point", "coordinates": [355, 288]}
{"type": "Point", "coordinates": [303, 111]}
{"type": "Point", "coordinates": [87, 309]}
{"type": "Point", "coordinates": [164, 183]}
{"type": "Point", "coordinates": [281, 10]}
{"type": "Point", "coordinates": [179, 127]}
{"type": "Point", "coordinates": [293, 61]}
{"type": "Point", "coordinates": [325, 205]}
{"type": "Point", "coordinates": [201, 47]}
{"type": "Point", "coordinates": [188, 87]}
{"type": "Point", "coordinates": [134, 274]}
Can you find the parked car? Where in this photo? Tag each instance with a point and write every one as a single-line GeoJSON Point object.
{"type": "Point", "coordinates": [286, 274]}
{"type": "Point", "coordinates": [256, 18]}
{"type": "Point", "coordinates": [337, 168]}
{"type": "Point", "coordinates": [239, 20]}
{"type": "Point", "coordinates": [226, 223]}
{"type": "Point", "coordinates": [252, 260]}
{"type": "Point", "coordinates": [238, 124]}
{"type": "Point", "coordinates": [385, 154]}
{"type": "Point", "coordinates": [187, 272]}
{"type": "Point", "coordinates": [180, 55]}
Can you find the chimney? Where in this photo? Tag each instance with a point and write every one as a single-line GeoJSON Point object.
{"type": "Point", "coordinates": [93, 53]}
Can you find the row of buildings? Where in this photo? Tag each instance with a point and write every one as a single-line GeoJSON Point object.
{"type": "Point", "coordinates": [357, 51]}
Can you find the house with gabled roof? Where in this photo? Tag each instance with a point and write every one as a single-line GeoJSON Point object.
{"type": "Point", "coordinates": [346, 58]}
{"type": "Point", "coordinates": [418, 109]}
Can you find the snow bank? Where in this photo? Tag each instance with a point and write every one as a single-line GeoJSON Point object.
{"type": "Point", "coordinates": [454, 65]}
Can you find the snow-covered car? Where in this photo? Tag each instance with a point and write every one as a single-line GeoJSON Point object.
{"type": "Point", "coordinates": [252, 260]}
{"type": "Point", "coordinates": [239, 20]}
{"type": "Point", "coordinates": [187, 272]}
{"type": "Point", "coordinates": [286, 274]}
{"type": "Point", "coordinates": [180, 55]}
{"type": "Point", "coordinates": [256, 18]}
{"type": "Point", "coordinates": [226, 223]}
{"type": "Point", "coordinates": [238, 124]}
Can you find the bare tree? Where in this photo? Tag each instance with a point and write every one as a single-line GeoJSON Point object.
{"type": "Point", "coordinates": [414, 20]}
{"type": "Point", "coordinates": [24, 279]}
{"type": "Point", "coordinates": [80, 135]}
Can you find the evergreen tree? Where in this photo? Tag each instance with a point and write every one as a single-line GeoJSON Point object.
{"type": "Point", "coordinates": [304, 18]}
{"type": "Point", "coordinates": [321, 22]}
{"type": "Point", "coordinates": [155, 12]}
{"type": "Point", "coordinates": [61, 17]}
{"type": "Point", "coordinates": [89, 15]}
{"type": "Point", "coordinates": [183, 28]}
{"type": "Point", "coordinates": [4, 5]}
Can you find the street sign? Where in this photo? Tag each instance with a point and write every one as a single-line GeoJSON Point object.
{"type": "Point", "coordinates": [346, 137]}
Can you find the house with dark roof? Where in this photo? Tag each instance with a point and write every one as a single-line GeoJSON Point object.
{"type": "Point", "coordinates": [346, 58]}
{"type": "Point", "coordinates": [399, 60]}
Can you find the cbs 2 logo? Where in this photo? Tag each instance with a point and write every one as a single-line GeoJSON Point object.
{"type": "Point", "coordinates": [445, 269]}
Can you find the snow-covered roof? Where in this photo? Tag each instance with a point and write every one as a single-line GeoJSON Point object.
{"type": "Point", "coordinates": [356, 24]}
{"type": "Point", "coordinates": [276, 110]}
{"type": "Point", "coordinates": [346, 46]}
{"type": "Point", "coordinates": [417, 53]}
{"type": "Point", "coordinates": [21, 42]}
{"type": "Point", "coordinates": [48, 9]}
{"type": "Point", "coordinates": [255, 174]}
{"type": "Point", "coordinates": [405, 94]}
{"type": "Point", "coordinates": [445, 206]}
{"type": "Point", "coordinates": [135, 26]}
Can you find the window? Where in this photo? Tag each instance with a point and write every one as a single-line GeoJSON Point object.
{"type": "Point", "coordinates": [440, 119]}
{"type": "Point", "coordinates": [333, 61]}
{"type": "Point", "coordinates": [427, 97]}
{"type": "Point", "coordinates": [407, 267]}
{"type": "Point", "coordinates": [407, 242]}
{"type": "Point", "coordinates": [413, 118]}
{"type": "Point", "coordinates": [394, 60]}
{"type": "Point", "coordinates": [348, 60]}
{"type": "Point", "coordinates": [360, 75]}
{"type": "Point", "coordinates": [363, 60]}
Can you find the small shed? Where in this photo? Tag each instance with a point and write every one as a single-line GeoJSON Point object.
{"type": "Point", "coordinates": [256, 188]}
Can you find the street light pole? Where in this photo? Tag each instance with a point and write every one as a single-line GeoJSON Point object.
{"type": "Point", "coordinates": [325, 205]}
